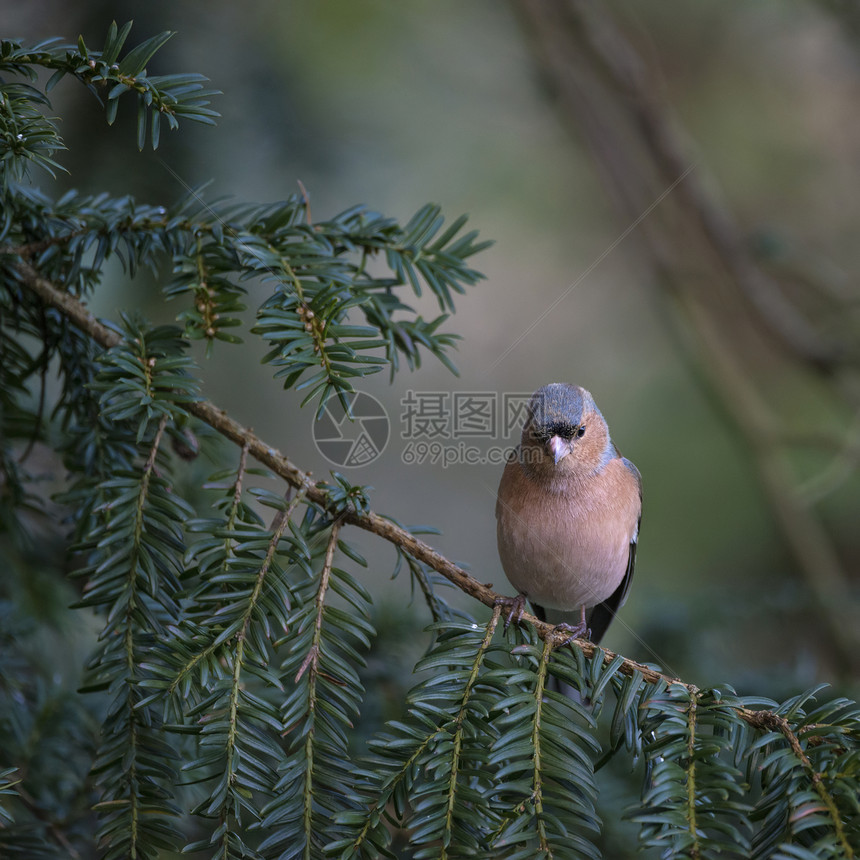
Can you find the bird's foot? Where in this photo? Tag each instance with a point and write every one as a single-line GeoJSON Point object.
{"type": "Point", "coordinates": [564, 632]}
{"type": "Point", "coordinates": [515, 606]}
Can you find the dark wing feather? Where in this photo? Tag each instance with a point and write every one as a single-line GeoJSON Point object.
{"type": "Point", "coordinates": [601, 615]}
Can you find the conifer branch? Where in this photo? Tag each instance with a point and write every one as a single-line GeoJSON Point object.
{"type": "Point", "coordinates": [408, 543]}
{"type": "Point", "coordinates": [215, 644]}
{"type": "Point", "coordinates": [537, 787]}
{"type": "Point", "coordinates": [458, 728]}
{"type": "Point", "coordinates": [773, 722]}
{"type": "Point", "coordinates": [134, 795]}
{"type": "Point", "coordinates": [270, 457]}
{"type": "Point", "coordinates": [254, 642]}
{"type": "Point", "coordinates": [281, 465]}
{"type": "Point", "coordinates": [695, 851]}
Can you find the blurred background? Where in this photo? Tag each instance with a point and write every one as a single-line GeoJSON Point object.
{"type": "Point", "coordinates": [747, 567]}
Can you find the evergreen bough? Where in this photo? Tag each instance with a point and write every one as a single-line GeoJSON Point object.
{"type": "Point", "coordinates": [227, 669]}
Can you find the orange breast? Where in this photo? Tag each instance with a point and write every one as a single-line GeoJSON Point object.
{"type": "Point", "coordinates": [569, 546]}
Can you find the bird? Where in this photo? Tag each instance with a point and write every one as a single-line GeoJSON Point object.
{"type": "Point", "coordinates": [568, 512]}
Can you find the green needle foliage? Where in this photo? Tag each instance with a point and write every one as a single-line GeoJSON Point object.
{"type": "Point", "coordinates": [228, 626]}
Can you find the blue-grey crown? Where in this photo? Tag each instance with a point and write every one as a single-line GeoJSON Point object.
{"type": "Point", "coordinates": [558, 409]}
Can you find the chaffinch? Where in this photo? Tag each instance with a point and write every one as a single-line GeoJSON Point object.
{"type": "Point", "coordinates": [568, 513]}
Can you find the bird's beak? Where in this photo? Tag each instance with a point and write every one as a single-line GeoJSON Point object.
{"type": "Point", "coordinates": [558, 448]}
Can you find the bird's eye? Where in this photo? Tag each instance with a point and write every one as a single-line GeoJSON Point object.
{"type": "Point", "coordinates": [580, 431]}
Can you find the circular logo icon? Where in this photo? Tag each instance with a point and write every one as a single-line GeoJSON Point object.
{"type": "Point", "coordinates": [353, 438]}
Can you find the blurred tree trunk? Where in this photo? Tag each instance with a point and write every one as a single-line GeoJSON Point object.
{"type": "Point", "coordinates": [737, 324]}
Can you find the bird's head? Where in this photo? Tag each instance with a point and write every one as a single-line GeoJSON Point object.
{"type": "Point", "coordinates": [564, 433]}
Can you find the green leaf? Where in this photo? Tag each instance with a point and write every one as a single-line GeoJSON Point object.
{"type": "Point", "coordinates": [135, 60]}
{"type": "Point", "coordinates": [114, 42]}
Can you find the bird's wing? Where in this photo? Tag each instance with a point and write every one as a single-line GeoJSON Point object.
{"type": "Point", "coordinates": [602, 614]}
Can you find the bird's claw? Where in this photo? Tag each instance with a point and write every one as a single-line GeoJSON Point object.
{"type": "Point", "coordinates": [565, 632]}
{"type": "Point", "coordinates": [515, 606]}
